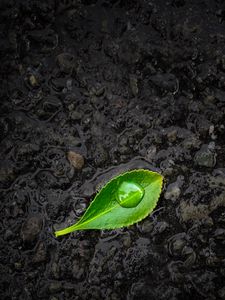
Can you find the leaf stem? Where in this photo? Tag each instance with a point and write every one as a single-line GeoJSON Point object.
{"type": "Point", "coordinates": [66, 230]}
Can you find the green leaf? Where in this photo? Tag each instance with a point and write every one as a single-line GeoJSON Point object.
{"type": "Point", "coordinates": [123, 201]}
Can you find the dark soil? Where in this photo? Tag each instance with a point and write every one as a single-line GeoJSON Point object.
{"type": "Point", "coordinates": [90, 89]}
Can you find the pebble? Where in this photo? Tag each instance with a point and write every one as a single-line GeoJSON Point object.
{"type": "Point", "coordinates": [78, 271]}
{"type": "Point", "coordinates": [146, 227]}
{"type": "Point", "coordinates": [101, 155]}
{"type": "Point", "coordinates": [221, 293]}
{"type": "Point", "coordinates": [172, 135]}
{"type": "Point", "coordinates": [55, 287]}
{"type": "Point", "coordinates": [188, 211]}
{"type": "Point", "coordinates": [33, 81]}
{"type": "Point", "coordinates": [127, 240]}
{"type": "Point", "coordinates": [166, 81]}
{"type": "Point", "coordinates": [176, 244]}
{"type": "Point", "coordinates": [65, 62]}
{"type": "Point", "coordinates": [18, 266]}
{"type": "Point", "coordinates": [6, 171]}
{"type": "Point", "coordinates": [76, 160]}
{"type": "Point", "coordinates": [97, 90]}
{"type": "Point", "coordinates": [40, 254]}
{"type": "Point", "coordinates": [124, 150]}
{"type": "Point", "coordinates": [205, 157]}
{"type": "Point", "coordinates": [219, 233]}
{"type": "Point", "coordinates": [69, 84]}
{"type": "Point", "coordinates": [8, 234]}
{"type": "Point", "coordinates": [191, 142]}
{"type": "Point", "coordinates": [151, 152]}
{"type": "Point", "coordinates": [173, 190]}
{"type": "Point", "coordinates": [31, 228]}
{"type": "Point", "coordinates": [134, 85]}
{"type": "Point", "coordinates": [75, 115]}
{"type": "Point", "coordinates": [160, 227]}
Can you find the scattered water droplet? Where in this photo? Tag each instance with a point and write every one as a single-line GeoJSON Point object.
{"type": "Point", "coordinates": [129, 194]}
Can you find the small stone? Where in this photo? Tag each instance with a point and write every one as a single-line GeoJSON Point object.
{"type": "Point", "coordinates": [188, 211]}
{"type": "Point", "coordinates": [73, 141]}
{"type": "Point", "coordinates": [211, 146]}
{"type": "Point", "coordinates": [69, 84]}
{"type": "Point", "coordinates": [191, 142]}
{"type": "Point", "coordinates": [76, 160]}
{"type": "Point", "coordinates": [124, 150]}
{"type": "Point", "coordinates": [211, 129]}
{"type": "Point", "coordinates": [173, 190]}
{"type": "Point", "coordinates": [31, 228]}
{"type": "Point", "coordinates": [221, 293]}
{"type": "Point", "coordinates": [134, 85]}
{"type": "Point", "coordinates": [33, 81]}
{"type": "Point", "coordinates": [160, 227]}
{"type": "Point", "coordinates": [55, 287]}
{"type": "Point", "coordinates": [97, 90]}
{"type": "Point", "coordinates": [219, 233]}
{"type": "Point", "coordinates": [146, 226]}
{"type": "Point", "coordinates": [203, 126]}
{"type": "Point", "coordinates": [217, 179]}
{"type": "Point", "coordinates": [55, 270]}
{"type": "Point", "coordinates": [70, 107]}
{"type": "Point", "coordinates": [168, 171]}
{"type": "Point", "coordinates": [165, 81]}
{"type": "Point", "coordinates": [8, 234]}
{"type": "Point", "coordinates": [151, 152]}
{"type": "Point", "coordinates": [6, 171]}
{"type": "Point", "coordinates": [75, 115]}
{"type": "Point", "coordinates": [78, 271]}
{"type": "Point", "coordinates": [18, 265]}
{"type": "Point", "coordinates": [66, 62]}
{"type": "Point", "coordinates": [101, 155]}
{"type": "Point", "coordinates": [176, 243]}
{"type": "Point", "coordinates": [179, 245]}
{"type": "Point", "coordinates": [40, 254]}
{"type": "Point", "coordinates": [210, 99]}
{"type": "Point", "coordinates": [172, 135]}
{"type": "Point", "coordinates": [205, 157]}
{"type": "Point", "coordinates": [127, 241]}
{"type": "Point", "coordinates": [123, 141]}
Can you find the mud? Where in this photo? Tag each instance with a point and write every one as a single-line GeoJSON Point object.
{"type": "Point", "coordinates": [93, 88]}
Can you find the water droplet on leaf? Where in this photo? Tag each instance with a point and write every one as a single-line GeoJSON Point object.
{"type": "Point", "coordinates": [129, 194]}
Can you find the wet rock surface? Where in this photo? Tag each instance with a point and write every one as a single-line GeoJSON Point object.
{"type": "Point", "coordinates": [116, 85]}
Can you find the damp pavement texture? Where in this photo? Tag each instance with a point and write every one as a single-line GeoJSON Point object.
{"type": "Point", "coordinates": [90, 89]}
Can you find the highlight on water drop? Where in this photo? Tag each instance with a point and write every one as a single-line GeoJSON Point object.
{"type": "Point", "coordinates": [129, 194]}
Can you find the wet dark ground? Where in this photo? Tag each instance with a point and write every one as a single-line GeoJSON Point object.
{"type": "Point", "coordinates": [125, 84]}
